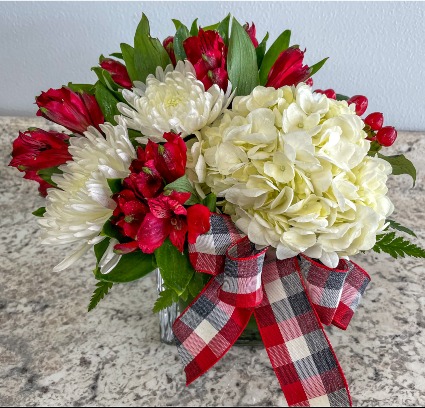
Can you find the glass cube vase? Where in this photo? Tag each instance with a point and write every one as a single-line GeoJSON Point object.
{"type": "Point", "coordinates": [250, 336]}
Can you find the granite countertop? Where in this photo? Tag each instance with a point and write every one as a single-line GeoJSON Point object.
{"type": "Point", "coordinates": [54, 353]}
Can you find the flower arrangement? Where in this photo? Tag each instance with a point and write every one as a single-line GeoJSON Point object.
{"type": "Point", "coordinates": [212, 158]}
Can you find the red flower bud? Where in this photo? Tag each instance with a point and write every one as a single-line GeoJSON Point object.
{"type": "Point", "coordinates": [361, 103]}
{"type": "Point", "coordinates": [75, 111]}
{"type": "Point", "coordinates": [288, 69]}
{"type": "Point", "coordinates": [375, 120]}
{"type": "Point", "coordinates": [37, 149]}
{"type": "Point", "coordinates": [118, 72]}
{"type": "Point", "coordinates": [207, 52]}
{"type": "Point", "coordinates": [309, 81]}
{"type": "Point", "coordinates": [168, 44]}
{"type": "Point", "coordinates": [330, 93]}
{"type": "Point", "coordinates": [386, 136]}
{"type": "Point", "coordinates": [251, 31]}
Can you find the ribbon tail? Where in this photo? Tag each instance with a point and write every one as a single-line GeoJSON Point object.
{"type": "Point", "coordinates": [207, 330]}
{"type": "Point", "coordinates": [324, 286]}
{"type": "Point", "coordinates": [354, 287]}
{"type": "Point", "coordinates": [299, 351]}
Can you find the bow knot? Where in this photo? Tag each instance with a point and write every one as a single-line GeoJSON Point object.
{"type": "Point", "coordinates": [242, 275]}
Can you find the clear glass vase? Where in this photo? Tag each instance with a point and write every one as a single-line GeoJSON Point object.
{"type": "Point", "coordinates": [250, 336]}
{"type": "Point", "coordinates": [166, 316]}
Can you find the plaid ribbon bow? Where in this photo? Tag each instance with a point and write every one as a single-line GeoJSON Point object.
{"type": "Point", "coordinates": [290, 300]}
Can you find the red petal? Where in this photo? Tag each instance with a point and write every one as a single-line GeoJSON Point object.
{"type": "Point", "coordinates": [118, 72]}
{"type": "Point", "coordinates": [192, 47]}
{"type": "Point", "coordinates": [288, 69]}
{"type": "Point", "coordinates": [152, 233]}
{"type": "Point", "coordinates": [178, 233]}
{"type": "Point", "coordinates": [126, 248]}
{"type": "Point", "coordinates": [93, 109]}
{"type": "Point", "coordinates": [180, 197]}
{"type": "Point", "coordinates": [44, 185]}
{"type": "Point", "coordinates": [198, 220]}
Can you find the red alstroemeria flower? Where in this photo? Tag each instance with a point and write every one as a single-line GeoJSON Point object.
{"type": "Point", "coordinates": [118, 72]}
{"type": "Point", "coordinates": [169, 159]}
{"type": "Point", "coordinates": [288, 69]}
{"type": "Point", "coordinates": [37, 149]}
{"type": "Point", "coordinates": [44, 185]}
{"type": "Point", "coordinates": [168, 44]}
{"type": "Point", "coordinates": [166, 219]}
{"type": "Point", "coordinates": [207, 52]}
{"type": "Point", "coordinates": [75, 111]}
{"type": "Point", "coordinates": [251, 31]}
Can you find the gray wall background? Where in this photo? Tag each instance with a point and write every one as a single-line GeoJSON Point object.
{"type": "Point", "coordinates": [375, 48]}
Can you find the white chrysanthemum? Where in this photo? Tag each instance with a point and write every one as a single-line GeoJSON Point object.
{"type": "Point", "coordinates": [293, 168]}
{"type": "Point", "coordinates": [172, 100]}
{"type": "Point", "coordinates": [77, 210]}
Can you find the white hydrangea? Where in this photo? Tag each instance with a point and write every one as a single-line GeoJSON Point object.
{"type": "Point", "coordinates": [77, 210]}
{"type": "Point", "coordinates": [172, 100]}
{"type": "Point", "coordinates": [293, 168]}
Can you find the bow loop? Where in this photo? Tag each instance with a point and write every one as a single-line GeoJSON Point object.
{"type": "Point", "coordinates": [242, 275]}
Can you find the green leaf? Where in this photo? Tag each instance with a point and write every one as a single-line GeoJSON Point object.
{"type": "Point", "coordinates": [111, 231]}
{"type": "Point", "coordinates": [212, 27]}
{"type": "Point", "coordinates": [40, 212]}
{"type": "Point", "coordinates": [148, 52]}
{"type": "Point", "coordinates": [82, 88]}
{"type": "Point", "coordinates": [210, 201]}
{"type": "Point", "coordinates": [100, 248]}
{"type": "Point", "coordinates": [105, 78]}
{"type": "Point", "coordinates": [400, 165]}
{"type": "Point", "coordinates": [261, 50]}
{"type": "Point", "coordinates": [314, 68]}
{"type": "Point", "coordinates": [242, 61]}
{"type": "Point", "coordinates": [46, 174]}
{"type": "Point", "coordinates": [181, 35]}
{"type": "Point", "coordinates": [340, 97]}
{"type": "Point", "coordinates": [165, 299]}
{"type": "Point", "coordinates": [176, 269]}
{"type": "Point", "coordinates": [143, 27]}
{"type": "Point", "coordinates": [395, 225]}
{"type": "Point", "coordinates": [194, 30]}
{"type": "Point", "coordinates": [223, 29]}
{"type": "Point", "coordinates": [107, 102]}
{"type": "Point", "coordinates": [280, 45]}
{"type": "Point", "coordinates": [197, 283]}
{"type": "Point", "coordinates": [130, 267]}
{"type": "Point", "coordinates": [397, 246]}
{"type": "Point", "coordinates": [184, 296]}
{"type": "Point", "coordinates": [132, 135]}
{"type": "Point", "coordinates": [117, 55]}
{"type": "Point", "coordinates": [183, 185]}
{"type": "Point", "coordinates": [177, 23]}
{"type": "Point", "coordinates": [128, 55]}
{"type": "Point", "coordinates": [102, 289]}
{"type": "Point", "coordinates": [115, 185]}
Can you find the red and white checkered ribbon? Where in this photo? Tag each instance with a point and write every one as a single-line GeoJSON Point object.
{"type": "Point", "coordinates": [290, 300]}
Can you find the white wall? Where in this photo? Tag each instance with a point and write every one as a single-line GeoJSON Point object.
{"type": "Point", "coordinates": [375, 48]}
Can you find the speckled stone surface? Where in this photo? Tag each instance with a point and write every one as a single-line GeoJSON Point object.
{"type": "Point", "coordinates": [53, 353]}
